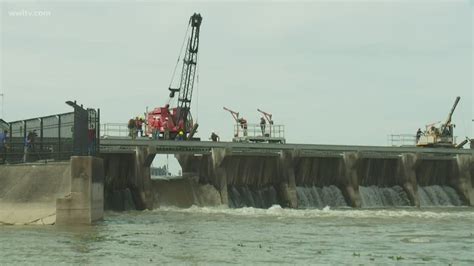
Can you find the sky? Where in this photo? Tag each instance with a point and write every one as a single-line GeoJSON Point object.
{"type": "Point", "coordinates": [332, 72]}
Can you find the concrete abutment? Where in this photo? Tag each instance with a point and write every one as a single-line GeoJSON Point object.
{"type": "Point", "coordinates": [85, 203]}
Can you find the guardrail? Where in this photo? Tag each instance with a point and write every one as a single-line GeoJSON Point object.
{"type": "Point", "coordinates": [256, 130]}
{"type": "Point", "coordinates": [399, 140]}
{"type": "Point", "coordinates": [114, 129]}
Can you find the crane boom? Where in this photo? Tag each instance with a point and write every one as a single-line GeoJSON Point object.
{"type": "Point", "coordinates": [234, 114]}
{"type": "Point", "coordinates": [188, 72]}
{"type": "Point", "coordinates": [450, 115]}
{"type": "Point", "coordinates": [267, 116]}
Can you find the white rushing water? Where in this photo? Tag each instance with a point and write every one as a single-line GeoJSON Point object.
{"type": "Point", "coordinates": [438, 196]}
{"type": "Point", "coordinates": [319, 197]}
{"type": "Point", "coordinates": [374, 196]}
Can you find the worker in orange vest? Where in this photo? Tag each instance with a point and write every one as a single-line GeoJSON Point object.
{"type": "Point", "coordinates": [156, 127]}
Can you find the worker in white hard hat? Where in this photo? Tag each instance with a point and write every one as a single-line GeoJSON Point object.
{"type": "Point", "coordinates": [166, 129]}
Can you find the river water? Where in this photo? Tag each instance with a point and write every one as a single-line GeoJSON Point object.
{"type": "Point", "coordinates": [437, 235]}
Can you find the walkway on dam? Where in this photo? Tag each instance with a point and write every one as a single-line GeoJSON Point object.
{"type": "Point", "coordinates": [127, 145]}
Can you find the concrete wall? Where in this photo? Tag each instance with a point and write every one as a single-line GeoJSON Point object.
{"type": "Point", "coordinates": [61, 193]}
{"type": "Point", "coordinates": [28, 192]}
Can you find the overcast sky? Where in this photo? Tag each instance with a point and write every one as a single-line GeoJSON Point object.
{"type": "Point", "coordinates": [348, 72]}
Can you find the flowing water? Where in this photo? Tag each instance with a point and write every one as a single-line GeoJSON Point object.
{"type": "Point", "coordinates": [438, 196]}
{"type": "Point", "coordinates": [316, 197]}
{"type": "Point", "coordinates": [434, 235]}
{"type": "Point", "coordinates": [251, 197]}
{"type": "Point", "coordinates": [374, 196]}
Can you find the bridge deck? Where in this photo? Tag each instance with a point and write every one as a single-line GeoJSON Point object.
{"type": "Point", "coordinates": [126, 145]}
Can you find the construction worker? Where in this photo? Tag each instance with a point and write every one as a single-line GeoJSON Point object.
{"type": "Point", "coordinates": [3, 145]}
{"type": "Point", "coordinates": [139, 122]}
{"type": "Point", "coordinates": [418, 135]}
{"type": "Point", "coordinates": [180, 135]}
{"type": "Point", "coordinates": [156, 128]}
{"type": "Point", "coordinates": [166, 129]}
{"type": "Point", "coordinates": [132, 127]}
{"type": "Point", "coordinates": [243, 125]}
{"type": "Point", "coordinates": [214, 137]}
{"type": "Point", "coordinates": [262, 125]}
{"type": "Point", "coordinates": [29, 145]}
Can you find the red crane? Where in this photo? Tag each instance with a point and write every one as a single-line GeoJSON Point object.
{"type": "Point", "coordinates": [177, 121]}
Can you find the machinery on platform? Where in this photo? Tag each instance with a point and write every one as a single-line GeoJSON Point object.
{"type": "Point", "coordinates": [173, 122]}
{"type": "Point", "coordinates": [264, 132]}
{"type": "Point", "coordinates": [442, 136]}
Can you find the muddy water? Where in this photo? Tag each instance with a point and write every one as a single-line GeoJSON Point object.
{"type": "Point", "coordinates": [252, 236]}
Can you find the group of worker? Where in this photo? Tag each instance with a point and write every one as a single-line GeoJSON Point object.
{"type": "Point", "coordinates": [447, 131]}
{"type": "Point", "coordinates": [135, 126]}
{"type": "Point", "coordinates": [158, 125]}
{"type": "Point", "coordinates": [244, 126]}
{"type": "Point", "coordinates": [29, 145]}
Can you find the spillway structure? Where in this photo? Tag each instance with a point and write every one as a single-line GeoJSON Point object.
{"type": "Point", "coordinates": [290, 175]}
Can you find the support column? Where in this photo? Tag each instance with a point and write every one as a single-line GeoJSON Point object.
{"type": "Point", "coordinates": [188, 163]}
{"type": "Point", "coordinates": [407, 165]}
{"type": "Point", "coordinates": [85, 203]}
{"type": "Point", "coordinates": [287, 180]}
{"type": "Point", "coordinates": [140, 184]}
{"type": "Point", "coordinates": [461, 181]}
{"type": "Point", "coordinates": [350, 182]}
{"type": "Point", "coordinates": [219, 172]}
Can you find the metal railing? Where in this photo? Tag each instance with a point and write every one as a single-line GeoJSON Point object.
{"type": "Point", "coordinates": [55, 137]}
{"type": "Point", "coordinates": [114, 129]}
{"type": "Point", "coordinates": [400, 140]}
{"type": "Point", "coordinates": [255, 130]}
{"type": "Point", "coordinates": [42, 138]}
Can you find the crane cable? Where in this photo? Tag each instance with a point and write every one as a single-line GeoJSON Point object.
{"type": "Point", "coordinates": [197, 88]}
{"type": "Point", "coordinates": [179, 57]}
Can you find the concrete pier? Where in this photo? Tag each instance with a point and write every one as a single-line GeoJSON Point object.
{"type": "Point", "coordinates": [85, 202]}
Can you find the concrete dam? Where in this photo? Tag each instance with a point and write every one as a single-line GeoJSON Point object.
{"type": "Point", "coordinates": [233, 175]}
{"type": "Point", "coordinates": [291, 175]}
